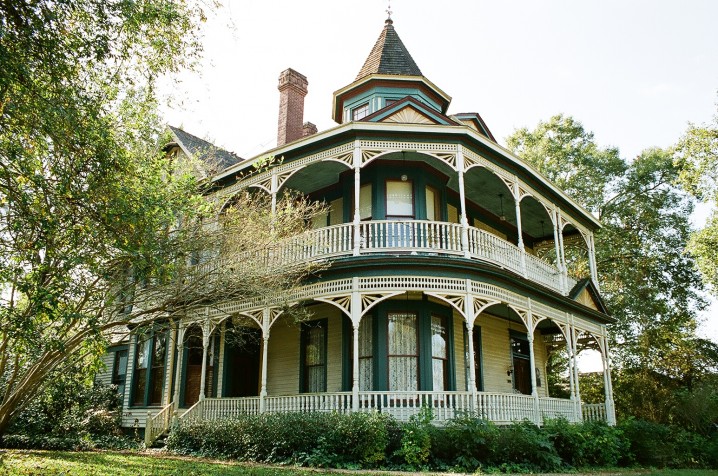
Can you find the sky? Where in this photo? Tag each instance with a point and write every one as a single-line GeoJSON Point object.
{"type": "Point", "coordinates": [635, 73]}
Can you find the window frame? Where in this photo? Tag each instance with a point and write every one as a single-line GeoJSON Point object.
{"type": "Point", "coordinates": [150, 369]}
{"type": "Point", "coordinates": [360, 112]}
{"type": "Point", "coordinates": [303, 343]}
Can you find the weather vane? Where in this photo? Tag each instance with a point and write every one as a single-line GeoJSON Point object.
{"type": "Point", "coordinates": [388, 10]}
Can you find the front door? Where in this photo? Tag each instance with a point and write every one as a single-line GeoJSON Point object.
{"type": "Point", "coordinates": [522, 375]}
{"type": "Point", "coordinates": [193, 369]}
{"type": "Point", "coordinates": [242, 351]}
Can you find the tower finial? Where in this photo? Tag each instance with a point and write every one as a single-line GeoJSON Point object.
{"type": "Point", "coordinates": [388, 11]}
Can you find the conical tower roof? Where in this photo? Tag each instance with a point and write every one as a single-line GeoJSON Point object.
{"type": "Point", "coordinates": [389, 56]}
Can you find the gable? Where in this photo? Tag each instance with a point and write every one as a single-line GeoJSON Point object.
{"type": "Point", "coordinates": [409, 115]}
{"type": "Point", "coordinates": [586, 298]}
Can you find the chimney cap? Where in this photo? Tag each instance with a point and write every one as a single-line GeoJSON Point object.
{"type": "Point", "coordinates": [292, 78]}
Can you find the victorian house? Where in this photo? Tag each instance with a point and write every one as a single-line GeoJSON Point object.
{"type": "Point", "coordinates": [448, 284]}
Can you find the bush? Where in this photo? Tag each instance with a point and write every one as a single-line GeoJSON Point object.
{"type": "Point", "coordinates": [524, 446]}
{"type": "Point", "coordinates": [70, 415]}
{"type": "Point", "coordinates": [315, 439]}
{"type": "Point", "coordinates": [587, 443]}
{"type": "Point", "coordinates": [465, 443]}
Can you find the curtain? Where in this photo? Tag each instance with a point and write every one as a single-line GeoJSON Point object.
{"type": "Point", "coordinates": [438, 352]}
{"type": "Point", "coordinates": [366, 358]}
{"type": "Point", "coordinates": [403, 352]}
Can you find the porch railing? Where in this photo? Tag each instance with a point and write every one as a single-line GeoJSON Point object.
{"type": "Point", "coordinates": [157, 424]}
{"type": "Point", "coordinates": [416, 236]}
{"type": "Point", "coordinates": [594, 411]}
{"type": "Point", "coordinates": [310, 402]}
{"type": "Point", "coordinates": [500, 408]}
{"type": "Point", "coordinates": [403, 405]}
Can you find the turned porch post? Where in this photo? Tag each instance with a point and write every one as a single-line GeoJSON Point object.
{"type": "Point", "coordinates": [167, 398]}
{"type": "Point", "coordinates": [592, 259]}
{"type": "Point", "coordinates": [610, 405]}
{"type": "Point", "coordinates": [558, 245]}
{"type": "Point", "coordinates": [574, 343]}
{"type": "Point", "coordinates": [356, 320]}
{"type": "Point", "coordinates": [178, 366]}
{"type": "Point", "coordinates": [357, 189]}
{"type": "Point", "coordinates": [569, 351]}
{"type": "Point", "coordinates": [520, 242]}
{"type": "Point", "coordinates": [265, 353]}
{"type": "Point", "coordinates": [469, 319]}
{"type": "Point", "coordinates": [462, 198]}
{"type": "Point", "coordinates": [205, 346]}
{"type": "Point", "coordinates": [532, 364]}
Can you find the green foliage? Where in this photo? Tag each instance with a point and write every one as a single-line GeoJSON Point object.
{"type": "Point", "coordinates": [314, 439]}
{"type": "Point", "coordinates": [465, 443]}
{"type": "Point", "coordinates": [524, 444]}
{"type": "Point", "coordinates": [70, 414]}
{"type": "Point", "coordinates": [416, 439]}
{"type": "Point", "coordinates": [588, 444]}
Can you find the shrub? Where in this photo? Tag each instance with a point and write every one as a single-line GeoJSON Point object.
{"type": "Point", "coordinates": [587, 443]}
{"type": "Point", "coordinates": [465, 443]}
{"type": "Point", "coordinates": [523, 444]}
{"type": "Point", "coordinates": [315, 439]}
{"type": "Point", "coordinates": [416, 439]}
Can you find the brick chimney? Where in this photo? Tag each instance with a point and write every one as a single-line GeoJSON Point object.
{"type": "Point", "coordinates": [308, 129]}
{"type": "Point", "coordinates": [292, 89]}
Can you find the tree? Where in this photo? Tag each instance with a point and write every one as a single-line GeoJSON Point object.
{"type": "Point", "coordinates": [98, 228]}
{"type": "Point", "coordinates": [648, 281]}
{"type": "Point", "coordinates": [697, 155]}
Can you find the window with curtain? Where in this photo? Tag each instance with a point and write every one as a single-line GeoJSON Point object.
{"type": "Point", "coordinates": [439, 355]}
{"type": "Point", "coordinates": [142, 360]}
{"type": "Point", "coordinates": [403, 351]}
{"type": "Point", "coordinates": [399, 199]}
{"type": "Point", "coordinates": [314, 356]}
{"type": "Point", "coordinates": [366, 354]}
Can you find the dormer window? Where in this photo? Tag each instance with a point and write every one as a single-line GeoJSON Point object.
{"type": "Point", "coordinates": [360, 112]}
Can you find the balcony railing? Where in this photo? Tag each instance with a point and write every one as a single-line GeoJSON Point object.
{"type": "Point", "coordinates": [416, 236]}
{"type": "Point", "coordinates": [501, 408]}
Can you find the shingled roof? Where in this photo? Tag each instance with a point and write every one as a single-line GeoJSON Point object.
{"type": "Point", "coordinates": [205, 151]}
{"type": "Point", "coordinates": [389, 56]}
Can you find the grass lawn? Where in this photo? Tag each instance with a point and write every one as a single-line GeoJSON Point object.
{"type": "Point", "coordinates": [17, 462]}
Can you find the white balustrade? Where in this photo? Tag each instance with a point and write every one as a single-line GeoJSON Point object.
{"type": "Point", "coordinates": [500, 408]}
{"type": "Point", "coordinates": [594, 411]}
{"type": "Point", "coordinates": [404, 405]}
{"type": "Point", "coordinates": [309, 402]}
{"type": "Point", "coordinates": [408, 236]}
{"type": "Point", "coordinates": [552, 408]}
{"type": "Point", "coordinates": [157, 424]}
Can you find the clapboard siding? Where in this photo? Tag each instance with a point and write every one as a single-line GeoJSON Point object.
{"type": "Point", "coordinates": [104, 376]}
{"type": "Point", "coordinates": [460, 351]}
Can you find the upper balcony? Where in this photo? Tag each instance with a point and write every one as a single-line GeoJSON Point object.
{"type": "Point", "coordinates": [419, 237]}
{"type": "Point", "coordinates": [456, 195]}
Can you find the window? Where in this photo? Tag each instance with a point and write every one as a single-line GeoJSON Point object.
{"type": "Point", "coordinates": [399, 199]}
{"type": "Point", "coordinates": [149, 368]}
{"type": "Point", "coordinates": [336, 211]}
{"type": "Point", "coordinates": [314, 356]}
{"type": "Point", "coordinates": [360, 112]}
{"type": "Point", "coordinates": [439, 354]}
{"type": "Point", "coordinates": [403, 351]}
{"type": "Point", "coordinates": [119, 371]}
{"type": "Point", "coordinates": [389, 102]}
{"type": "Point", "coordinates": [433, 203]}
{"type": "Point", "coordinates": [453, 214]}
{"type": "Point", "coordinates": [157, 380]}
{"type": "Point", "coordinates": [366, 354]}
{"type": "Point", "coordinates": [365, 210]}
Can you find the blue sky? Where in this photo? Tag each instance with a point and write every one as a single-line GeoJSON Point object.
{"type": "Point", "coordinates": [633, 72]}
